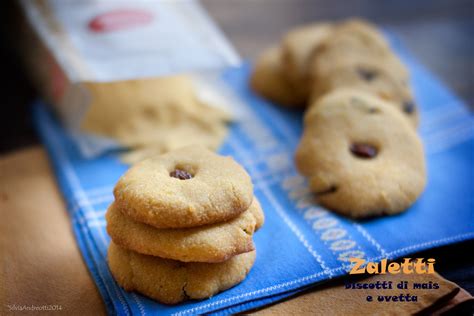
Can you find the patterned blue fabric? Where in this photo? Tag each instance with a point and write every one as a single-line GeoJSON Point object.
{"type": "Point", "coordinates": [301, 243]}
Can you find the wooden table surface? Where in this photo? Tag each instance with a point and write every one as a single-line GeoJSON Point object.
{"type": "Point", "coordinates": [41, 265]}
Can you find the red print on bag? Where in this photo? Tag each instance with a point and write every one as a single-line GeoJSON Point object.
{"type": "Point", "coordinates": [119, 20]}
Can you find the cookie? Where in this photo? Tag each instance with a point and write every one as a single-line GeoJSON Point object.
{"type": "Point", "coordinates": [170, 281]}
{"type": "Point", "coordinates": [352, 42]}
{"type": "Point", "coordinates": [211, 243]}
{"type": "Point", "coordinates": [154, 115]}
{"type": "Point", "coordinates": [361, 156]}
{"type": "Point", "coordinates": [269, 80]}
{"type": "Point", "coordinates": [365, 30]}
{"type": "Point", "coordinates": [297, 48]}
{"type": "Point", "coordinates": [187, 187]}
{"type": "Point", "coordinates": [370, 76]}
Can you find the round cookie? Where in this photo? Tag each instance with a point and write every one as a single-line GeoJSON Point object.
{"type": "Point", "coordinates": [361, 156]}
{"type": "Point", "coordinates": [363, 29]}
{"type": "Point", "coordinates": [211, 243]}
{"type": "Point", "coordinates": [370, 76]}
{"type": "Point", "coordinates": [352, 42]}
{"type": "Point", "coordinates": [297, 48]}
{"type": "Point", "coordinates": [170, 281]}
{"type": "Point", "coordinates": [187, 187]}
{"type": "Point", "coordinates": [270, 81]}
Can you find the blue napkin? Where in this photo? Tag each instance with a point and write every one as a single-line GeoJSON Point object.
{"type": "Point", "coordinates": [301, 243]}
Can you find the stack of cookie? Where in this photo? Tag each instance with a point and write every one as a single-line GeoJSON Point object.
{"type": "Point", "coordinates": [359, 149]}
{"type": "Point", "coordinates": [318, 58]}
{"type": "Point", "coordinates": [182, 225]}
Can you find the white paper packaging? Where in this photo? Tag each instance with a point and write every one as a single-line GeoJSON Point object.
{"type": "Point", "coordinates": [105, 40]}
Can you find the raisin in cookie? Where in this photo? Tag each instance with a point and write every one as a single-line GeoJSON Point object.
{"type": "Point", "coordinates": [270, 81]}
{"type": "Point", "coordinates": [211, 243]}
{"type": "Point", "coordinates": [361, 156]}
{"type": "Point", "coordinates": [370, 76]}
{"type": "Point", "coordinates": [170, 281]}
{"type": "Point", "coordinates": [187, 187]}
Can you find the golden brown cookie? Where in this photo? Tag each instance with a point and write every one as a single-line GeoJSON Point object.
{"type": "Point", "coordinates": [352, 42]}
{"type": "Point", "coordinates": [374, 77]}
{"type": "Point", "coordinates": [297, 49]}
{"type": "Point", "coordinates": [187, 187]}
{"type": "Point", "coordinates": [270, 80]}
{"type": "Point", "coordinates": [211, 243]}
{"type": "Point", "coordinates": [361, 156]}
{"type": "Point", "coordinates": [170, 281]}
{"type": "Point", "coordinates": [154, 115]}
